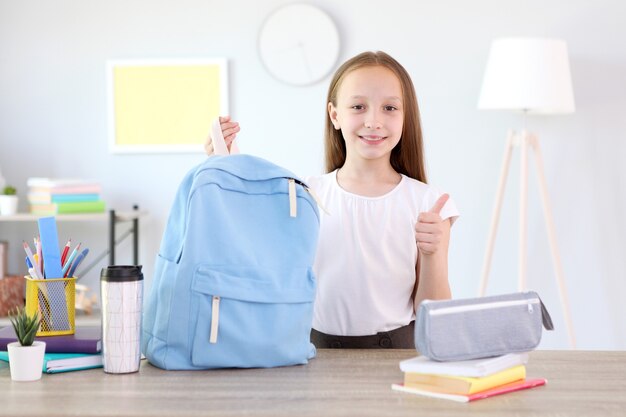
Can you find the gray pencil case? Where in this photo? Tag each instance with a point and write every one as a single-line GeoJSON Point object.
{"type": "Point", "coordinates": [454, 330]}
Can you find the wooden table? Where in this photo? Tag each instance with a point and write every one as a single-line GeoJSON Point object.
{"type": "Point", "coordinates": [336, 383]}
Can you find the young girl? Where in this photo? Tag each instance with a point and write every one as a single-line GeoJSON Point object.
{"type": "Point", "coordinates": [383, 247]}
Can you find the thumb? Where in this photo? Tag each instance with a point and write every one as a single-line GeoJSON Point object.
{"type": "Point", "coordinates": [440, 203]}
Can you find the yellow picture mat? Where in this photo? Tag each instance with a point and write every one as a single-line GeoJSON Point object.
{"type": "Point", "coordinates": [165, 106]}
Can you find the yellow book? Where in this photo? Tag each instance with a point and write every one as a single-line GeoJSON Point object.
{"type": "Point", "coordinates": [461, 384]}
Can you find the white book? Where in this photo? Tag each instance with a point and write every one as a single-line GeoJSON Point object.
{"type": "Point", "coordinates": [469, 368]}
{"type": "Point", "coordinates": [58, 182]}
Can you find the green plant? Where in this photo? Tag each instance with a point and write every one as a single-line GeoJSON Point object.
{"type": "Point", "coordinates": [25, 326]}
{"type": "Point", "coordinates": [8, 190]}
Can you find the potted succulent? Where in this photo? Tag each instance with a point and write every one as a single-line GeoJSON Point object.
{"type": "Point", "coordinates": [8, 200]}
{"type": "Point", "coordinates": [25, 355]}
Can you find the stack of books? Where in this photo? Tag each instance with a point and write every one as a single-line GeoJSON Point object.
{"type": "Point", "coordinates": [49, 196]}
{"type": "Point", "coordinates": [466, 381]}
{"type": "Point", "coordinates": [74, 352]}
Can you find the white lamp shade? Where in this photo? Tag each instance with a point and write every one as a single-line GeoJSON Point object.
{"type": "Point", "coordinates": [528, 74]}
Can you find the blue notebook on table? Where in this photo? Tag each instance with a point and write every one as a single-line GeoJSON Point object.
{"type": "Point", "coordinates": [54, 363]}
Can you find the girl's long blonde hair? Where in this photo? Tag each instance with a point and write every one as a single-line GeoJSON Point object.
{"type": "Point", "coordinates": [408, 156]}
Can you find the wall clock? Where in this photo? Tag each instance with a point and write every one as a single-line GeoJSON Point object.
{"type": "Point", "coordinates": [299, 44]}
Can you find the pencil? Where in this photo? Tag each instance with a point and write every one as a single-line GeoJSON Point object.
{"type": "Point", "coordinates": [29, 253]}
{"type": "Point", "coordinates": [66, 249]}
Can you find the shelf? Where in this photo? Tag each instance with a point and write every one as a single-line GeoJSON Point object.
{"type": "Point", "coordinates": [120, 216]}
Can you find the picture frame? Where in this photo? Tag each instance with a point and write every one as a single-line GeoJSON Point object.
{"type": "Point", "coordinates": [164, 106]}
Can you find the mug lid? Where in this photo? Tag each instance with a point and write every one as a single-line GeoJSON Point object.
{"type": "Point", "coordinates": [121, 273]}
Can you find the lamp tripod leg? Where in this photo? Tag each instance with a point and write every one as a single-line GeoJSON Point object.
{"type": "Point", "coordinates": [523, 213]}
{"type": "Point", "coordinates": [558, 270]}
{"type": "Point", "coordinates": [496, 212]}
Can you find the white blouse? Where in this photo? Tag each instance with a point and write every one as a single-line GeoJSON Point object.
{"type": "Point", "coordinates": [366, 256]}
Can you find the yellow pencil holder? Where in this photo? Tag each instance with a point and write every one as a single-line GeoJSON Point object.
{"type": "Point", "coordinates": [53, 299]}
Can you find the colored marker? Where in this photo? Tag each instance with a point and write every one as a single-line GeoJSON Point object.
{"type": "Point", "coordinates": [70, 259]}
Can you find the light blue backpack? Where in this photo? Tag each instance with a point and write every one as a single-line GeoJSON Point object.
{"type": "Point", "coordinates": [233, 283]}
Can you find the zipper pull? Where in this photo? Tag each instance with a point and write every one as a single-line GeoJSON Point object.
{"type": "Point", "coordinates": [317, 200]}
{"type": "Point", "coordinates": [215, 318]}
{"type": "Point", "coordinates": [312, 194]}
{"type": "Point", "coordinates": [293, 201]}
{"type": "Point", "coordinates": [545, 317]}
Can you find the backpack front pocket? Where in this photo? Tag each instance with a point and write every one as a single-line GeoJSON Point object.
{"type": "Point", "coordinates": [251, 317]}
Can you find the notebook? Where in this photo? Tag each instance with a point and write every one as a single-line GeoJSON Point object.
{"type": "Point", "coordinates": [64, 362]}
{"type": "Point", "coordinates": [472, 368]}
{"type": "Point", "coordinates": [503, 389]}
{"type": "Point", "coordinates": [86, 339]}
{"type": "Point", "coordinates": [464, 385]}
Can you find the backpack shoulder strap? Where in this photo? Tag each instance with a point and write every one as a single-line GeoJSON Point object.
{"type": "Point", "coordinates": [219, 145]}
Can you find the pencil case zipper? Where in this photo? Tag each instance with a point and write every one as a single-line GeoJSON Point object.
{"type": "Point", "coordinates": [484, 306]}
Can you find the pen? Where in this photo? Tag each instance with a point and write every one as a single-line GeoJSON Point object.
{"type": "Point", "coordinates": [29, 255]}
{"type": "Point", "coordinates": [66, 249]}
{"type": "Point", "coordinates": [66, 267]}
{"type": "Point", "coordinates": [78, 260]}
{"type": "Point", "coordinates": [30, 268]}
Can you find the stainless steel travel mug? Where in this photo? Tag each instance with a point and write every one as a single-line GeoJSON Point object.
{"type": "Point", "coordinates": [121, 292]}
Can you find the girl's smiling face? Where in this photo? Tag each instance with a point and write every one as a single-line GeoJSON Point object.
{"type": "Point", "coordinates": [369, 112]}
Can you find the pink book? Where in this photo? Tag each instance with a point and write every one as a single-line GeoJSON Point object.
{"type": "Point", "coordinates": [502, 389]}
{"type": "Point", "coordinates": [67, 189]}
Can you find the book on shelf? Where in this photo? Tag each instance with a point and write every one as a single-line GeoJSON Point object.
{"type": "Point", "coordinates": [68, 189]}
{"type": "Point", "coordinates": [502, 389]}
{"type": "Point", "coordinates": [86, 339]}
{"type": "Point", "coordinates": [64, 362]}
{"type": "Point", "coordinates": [68, 208]}
{"type": "Point", "coordinates": [474, 368]}
{"type": "Point", "coordinates": [47, 198]}
{"type": "Point", "coordinates": [51, 196]}
{"type": "Point", "coordinates": [452, 384]}
{"type": "Point", "coordinates": [59, 182]}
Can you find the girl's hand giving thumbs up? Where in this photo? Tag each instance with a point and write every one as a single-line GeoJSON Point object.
{"type": "Point", "coordinates": [430, 231]}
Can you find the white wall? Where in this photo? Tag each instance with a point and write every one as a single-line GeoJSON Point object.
{"type": "Point", "coordinates": [53, 122]}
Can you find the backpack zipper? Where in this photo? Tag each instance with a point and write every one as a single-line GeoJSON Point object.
{"type": "Point", "coordinates": [308, 190]}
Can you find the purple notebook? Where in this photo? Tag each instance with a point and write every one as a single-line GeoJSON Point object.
{"type": "Point", "coordinates": [86, 339]}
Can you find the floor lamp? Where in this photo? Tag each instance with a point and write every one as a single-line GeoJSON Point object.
{"type": "Point", "coordinates": [531, 76]}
